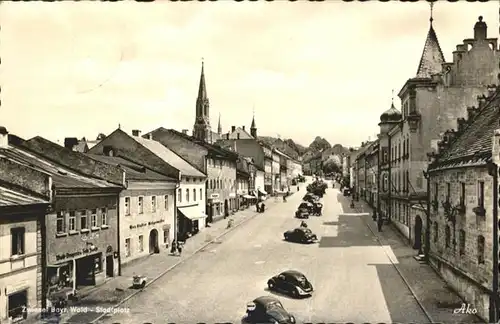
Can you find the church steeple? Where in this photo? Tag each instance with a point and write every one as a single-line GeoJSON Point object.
{"type": "Point", "coordinates": [202, 129]}
{"type": "Point", "coordinates": [432, 56]}
{"type": "Point", "coordinates": [219, 127]}
{"type": "Point", "coordinates": [253, 128]}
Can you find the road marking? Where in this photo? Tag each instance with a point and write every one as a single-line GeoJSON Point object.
{"type": "Point", "coordinates": [355, 214]}
{"type": "Point", "coordinates": [260, 262]}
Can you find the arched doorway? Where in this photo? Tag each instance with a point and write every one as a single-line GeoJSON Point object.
{"type": "Point", "coordinates": [153, 242]}
{"type": "Point", "coordinates": [418, 234]}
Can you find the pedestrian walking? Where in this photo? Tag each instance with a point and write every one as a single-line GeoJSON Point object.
{"type": "Point", "coordinates": [173, 249]}
{"type": "Point", "coordinates": [379, 223]}
{"type": "Point", "coordinates": [179, 248]}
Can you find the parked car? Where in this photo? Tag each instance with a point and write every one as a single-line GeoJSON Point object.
{"type": "Point", "coordinates": [304, 210]}
{"type": "Point", "coordinates": [317, 208]}
{"type": "Point", "coordinates": [292, 283]}
{"type": "Point", "coordinates": [267, 309]}
{"type": "Point", "coordinates": [300, 235]}
{"type": "Point", "coordinates": [310, 197]}
{"type": "Point", "coordinates": [346, 191]}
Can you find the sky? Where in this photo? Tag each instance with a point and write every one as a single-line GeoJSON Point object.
{"type": "Point", "coordinates": [307, 69]}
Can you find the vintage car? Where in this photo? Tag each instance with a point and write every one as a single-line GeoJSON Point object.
{"type": "Point", "coordinates": [292, 283]}
{"type": "Point", "coordinates": [310, 197]}
{"type": "Point", "coordinates": [267, 309]}
{"type": "Point", "coordinates": [304, 210]}
{"type": "Point", "coordinates": [300, 235]}
{"type": "Point", "coordinates": [317, 208]}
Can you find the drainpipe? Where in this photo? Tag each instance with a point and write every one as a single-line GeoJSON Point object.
{"type": "Point", "coordinates": [427, 218]}
{"type": "Point", "coordinates": [176, 225]}
{"type": "Point", "coordinates": [493, 171]}
{"type": "Point", "coordinates": [118, 223]}
{"type": "Point", "coordinates": [389, 194]}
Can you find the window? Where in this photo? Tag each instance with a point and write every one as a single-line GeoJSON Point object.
{"type": "Point", "coordinates": [408, 147]}
{"type": "Point", "coordinates": [61, 222]}
{"type": "Point", "coordinates": [194, 194]}
{"type": "Point", "coordinates": [93, 218]}
{"type": "Point", "coordinates": [141, 243]}
{"type": "Point", "coordinates": [166, 236]}
{"type": "Point", "coordinates": [436, 234]}
{"type": "Point", "coordinates": [98, 264]}
{"type": "Point", "coordinates": [436, 188]}
{"type": "Point", "coordinates": [17, 235]}
{"type": "Point", "coordinates": [153, 204]}
{"type": "Point", "coordinates": [141, 205]}
{"type": "Point", "coordinates": [447, 235]}
{"type": "Point", "coordinates": [187, 195]}
{"type": "Point", "coordinates": [480, 194]}
{"type": "Point", "coordinates": [72, 221]}
{"type": "Point", "coordinates": [462, 194]}
{"type": "Point", "coordinates": [127, 247]}
{"type": "Point", "coordinates": [104, 217]}
{"type": "Point", "coordinates": [83, 220]}
{"type": "Point", "coordinates": [127, 206]}
{"type": "Point", "coordinates": [166, 202]}
{"type": "Point", "coordinates": [201, 194]}
{"type": "Point", "coordinates": [420, 181]}
{"type": "Point", "coordinates": [179, 195]}
{"type": "Point", "coordinates": [448, 191]}
{"type": "Point", "coordinates": [461, 242]}
{"type": "Point", "coordinates": [480, 249]}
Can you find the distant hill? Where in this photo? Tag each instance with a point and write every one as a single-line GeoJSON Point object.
{"type": "Point", "coordinates": [319, 144]}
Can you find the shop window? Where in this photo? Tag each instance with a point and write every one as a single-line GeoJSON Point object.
{"type": "Point", "coordinates": [72, 221]}
{"type": "Point", "coordinates": [141, 243]}
{"type": "Point", "coordinates": [194, 194]}
{"type": "Point", "coordinates": [179, 195]}
{"type": "Point", "coordinates": [98, 264]}
{"type": "Point", "coordinates": [153, 204]}
{"type": "Point", "coordinates": [104, 216]}
{"type": "Point", "coordinates": [480, 249]}
{"type": "Point", "coordinates": [83, 220]}
{"type": "Point", "coordinates": [17, 235]}
{"type": "Point", "coordinates": [127, 206]}
{"type": "Point", "coordinates": [17, 305]}
{"type": "Point", "coordinates": [93, 218]}
{"type": "Point", "coordinates": [141, 205]}
{"type": "Point", "coordinates": [187, 195]}
{"type": "Point", "coordinates": [127, 247]}
{"type": "Point", "coordinates": [166, 202]}
{"type": "Point", "coordinates": [61, 222]}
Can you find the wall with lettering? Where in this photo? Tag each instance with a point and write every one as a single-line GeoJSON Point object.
{"type": "Point", "coordinates": [66, 246]}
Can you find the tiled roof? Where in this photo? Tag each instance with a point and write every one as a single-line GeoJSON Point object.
{"type": "Point", "coordinates": [9, 197]}
{"type": "Point", "coordinates": [61, 177]}
{"type": "Point", "coordinates": [213, 148]}
{"type": "Point", "coordinates": [169, 156]}
{"type": "Point", "coordinates": [476, 139]}
{"type": "Point", "coordinates": [432, 56]}
{"type": "Point", "coordinates": [81, 147]}
{"type": "Point", "coordinates": [133, 170]}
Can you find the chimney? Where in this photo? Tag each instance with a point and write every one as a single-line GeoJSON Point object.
{"type": "Point", "coordinates": [461, 122]}
{"type": "Point", "coordinates": [136, 132]}
{"type": "Point", "coordinates": [233, 128]}
{"type": "Point", "coordinates": [185, 131]}
{"type": "Point", "coordinates": [4, 137]}
{"type": "Point", "coordinates": [481, 101]}
{"type": "Point", "coordinates": [243, 127]}
{"type": "Point", "coordinates": [227, 135]}
{"type": "Point", "coordinates": [149, 136]}
{"type": "Point", "coordinates": [70, 142]}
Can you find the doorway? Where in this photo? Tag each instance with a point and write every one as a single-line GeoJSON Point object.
{"type": "Point", "coordinates": [418, 234]}
{"type": "Point", "coordinates": [153, 242]}
{"type": "Point", "coordinates": [110, 271]}
{"type": "Point", "coordinates": [226, 208]}
{"type": "Point", "coordinates": [17, 304]}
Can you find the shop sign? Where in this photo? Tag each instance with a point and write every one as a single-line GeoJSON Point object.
{"type": "Point", "coordinates": [71, 255]}
{"type": "Point", "coordinates": [214, 196]}
{"type": "Point", "coordinates": [156, 222]}
{"type": "Point", "coordinates": [146, 224]}
{"type": "Point", "coordinates": [138, 225]}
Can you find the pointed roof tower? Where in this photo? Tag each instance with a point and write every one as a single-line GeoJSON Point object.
{"type": "Point", "coordinates": [202, 89]}
{"type": "Point", "coordinates": [219, 127]}
{"type": "Point", "coordinates": [432, 55]}
{"type": "Point", "coordinates": [253, 127]}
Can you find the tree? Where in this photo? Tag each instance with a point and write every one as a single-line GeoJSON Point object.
{"type": "Point", "coordinates": [331, 166]}
{"type": "Point", "coordinates": [100, 137]}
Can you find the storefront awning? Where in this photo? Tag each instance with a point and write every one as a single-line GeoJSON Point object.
{"type": "Point", "coordinates": [249, 197]}
{"type": "Point", "coordinates": [262, 192]}
{"type": "Point", "coordinates": [191, 212]}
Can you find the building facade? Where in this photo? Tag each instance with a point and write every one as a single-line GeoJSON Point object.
{"type": "Point", "coordinates": [243, 180]}
{"type": "Point", "coordinates": [268, 170]}
{"type": "Point", "coordinates": [82, 227]}
{"type": "Point", "coordinates": [146, 209]}
{"type": "Point", "coordinates": [25, 197]}
{"type": "Point", "coordinates": [462, 186]}
{"type": "Point", "coordinates": [219, 164]}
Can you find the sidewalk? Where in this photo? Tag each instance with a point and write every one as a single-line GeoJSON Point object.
{"type": "Point", "coordinates": [118, 289]}
{"type": "Point", "coordinates": [430, 289]}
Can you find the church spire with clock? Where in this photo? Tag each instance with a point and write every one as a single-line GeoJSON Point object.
{"type": "Point", "coordinates": [202, 130]}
